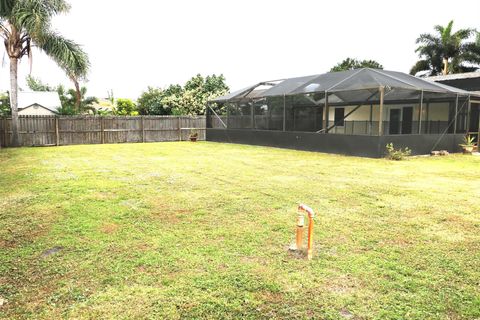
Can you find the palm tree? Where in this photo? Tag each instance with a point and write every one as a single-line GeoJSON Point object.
{"type": "Point", "coordinates": [445, 52]}
{"type": "Point", "coordinates": [72, 59]}
{"type": "Point", "coordinates": [27, 23]}
{"type": "Point", "coordinates": [68, 98]}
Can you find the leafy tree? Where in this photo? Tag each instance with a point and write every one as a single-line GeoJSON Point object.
{"type": "Point", "coordinates": [173, 99]}
{"type": "Point", "coordinates": [446, 51]}
{"type": "Point", "coordinates": [352, 64]}
{"type": "Point", "coordinates": [199, 90]}
{"type": "Point", "coordinates": [25, 23]}
{"type": "Point", "coordinates": [190, 99]}
{"type": "Point", "coordinates": [67, 110]}
{"type": "Point", "coordinates": [5, 104]}
{"type": "Point", "coordinates": [151, 102]}
{"type": "Point", "coordinates": [35, 84]}
{"type": "Point", "coordinates": [125, 107]}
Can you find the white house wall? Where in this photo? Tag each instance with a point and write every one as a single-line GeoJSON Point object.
{"type": "Point", "coordinates": [437, 112]}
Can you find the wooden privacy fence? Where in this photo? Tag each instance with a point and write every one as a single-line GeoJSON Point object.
{"type": "Point", "coordinates": [67, 130]}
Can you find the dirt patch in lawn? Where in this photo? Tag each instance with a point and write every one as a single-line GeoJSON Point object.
{"type": "Point", "coordinates": [109, 227]}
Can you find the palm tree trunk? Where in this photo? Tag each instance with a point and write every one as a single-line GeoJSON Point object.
{"type": "Point", "coordinates": [14, 100]}
{"type": "Point", "coordinates": [78, 94]}
{"type": "Point", "coordinates": [445, 66]}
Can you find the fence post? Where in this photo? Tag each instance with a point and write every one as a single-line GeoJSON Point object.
{"type": "Point", "coordinates": [102, 126]}
{"type": "Point", "coordinates": [179, 129]}
{"type": "Point", "coordinates": [143, 128]}
{"type": "Point", "coordinates": [57, 137]}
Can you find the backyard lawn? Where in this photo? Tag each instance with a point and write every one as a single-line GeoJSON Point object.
{"type": "Point", "coordinates": [201, 230]}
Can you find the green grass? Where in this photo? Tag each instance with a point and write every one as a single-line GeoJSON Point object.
{"type": "Point", "coordinates": [201, 230]}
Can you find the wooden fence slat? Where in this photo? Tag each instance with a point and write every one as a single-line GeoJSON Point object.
{"type": "Point", "coordinates": [5, 132]}
{"type": "Point", "coordinates": [143, 129]}
{"type": "Point", "coordinates": [57, 137]}
{"type": "Point", "coordinates": [102, 125]}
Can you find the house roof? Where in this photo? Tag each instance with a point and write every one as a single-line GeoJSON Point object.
{"type": "Point", "coordinates": [48, 100]}
{"type": "Point", "coordinates": [455, 76]}
{"type": "Point", "coordinates": [359, 79]}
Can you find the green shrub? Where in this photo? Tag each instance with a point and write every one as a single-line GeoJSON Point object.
{"type": "Point", "coordinates": [125, 107]}
{"type": "Point", "coordinates": [397, 154]}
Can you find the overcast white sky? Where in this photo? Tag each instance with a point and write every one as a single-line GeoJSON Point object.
{"type": "Point", "coordinates": [136, 44]}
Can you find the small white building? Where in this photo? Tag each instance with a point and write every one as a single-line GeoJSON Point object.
{"type": "Point", "coordinates": [41, 103]}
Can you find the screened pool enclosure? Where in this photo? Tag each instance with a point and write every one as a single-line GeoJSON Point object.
{"type": "Point", "coordinates": [352, 112]}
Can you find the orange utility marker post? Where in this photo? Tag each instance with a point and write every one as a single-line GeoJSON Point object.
{"type": "Point", "coordinates": [299, 234]}
{"type": "Point", "coordinates": [311, 215]}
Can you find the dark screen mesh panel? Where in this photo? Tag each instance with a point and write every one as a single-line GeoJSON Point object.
{"type": "Point", "coordinates": [236, 94]}
{"type": "Point", "coordinates": [399, 95]}
{"type": "Point", "coordinates": [208, 118]}
{"type": "Point", "coordinates": [324, 82]}
{"type": "Point", "coordinates": [275, 108]}
{"type": "Point", "coordinates": [260, 112]}
{"type": "Point", "coordinates": [438, 96]}
{"type": "Point", "coordinates": [355, 97]}
{"type": "Point", "coordinates": [240, 115]}
{"type": "Point", "coordinates": [462, 116]}
{"type": "Point", "coordinates": [440, 112]}
{"type": "Point", "coordinates": [303, 113]}
{"type": "Point", "coordinates": [287, 86]}
{"type": "Point", "coordinates": [268, 113]}
{"type": "Point", "coordinates": [214, 119]}
{"type": "Point", "coordinates": [367, 78]}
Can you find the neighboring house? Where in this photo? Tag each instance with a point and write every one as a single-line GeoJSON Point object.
{"type": "Point", "coordinates": [469, 81]}
{"type": "Point", "coordinates": [355, 112]}
{"type": "Point", "coordinates": [41, 103]}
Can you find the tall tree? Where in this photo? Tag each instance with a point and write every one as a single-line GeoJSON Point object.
{"type": "Point", "coordinates": [352, 64]}
{"type": "Point", "coordinates": [69, 56]}
{"type": "Point", "coordinates": [446, 51]}
{"type": "Point", "coordinates": [25, 23]}
{"type": "Point", "coordinates": [190, 99]}
{"type": "Point", "coordinates": [199, 90]}
{"type": "Point", "coordinates": [150, 102]}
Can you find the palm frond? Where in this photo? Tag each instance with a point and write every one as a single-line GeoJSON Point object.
{"type": "Point", "coordinates": [440, 29]}
{"type": "Point", "coordinates": [463, 34]}
{"type": "Point", "coordinates": [449, 27]}
{"type": "Point", "coordinates": [427, 38]}
{"type": "Point", "coordinates": [35, 15]}
{"type": "Point", "coordinates": [6, 7]}
{"type": "Point", "coordinates": [32, 16]}
{"type": "Point", "coordinates": [420, 65]}
{"type": "Point", "coordinates": [68, 54]}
